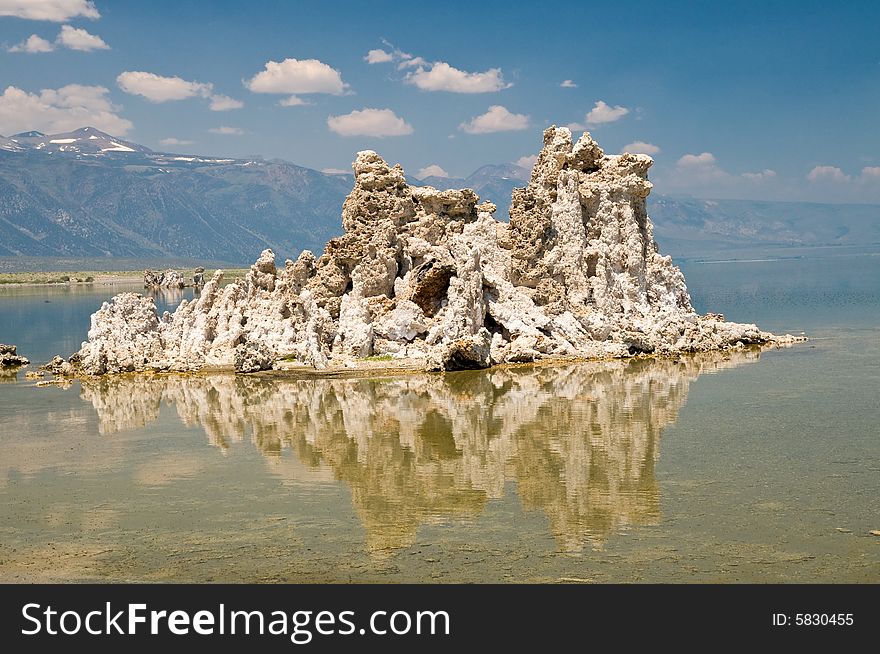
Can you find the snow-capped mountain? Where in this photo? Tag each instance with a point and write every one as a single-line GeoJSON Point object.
{"type": "Point", "coordinates": [85, 140]}
{"type": "Point", "coordinates": [87, 193]}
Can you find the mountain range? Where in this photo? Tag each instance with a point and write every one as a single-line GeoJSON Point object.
{"type": "Point", "coordinates": [86, 193]}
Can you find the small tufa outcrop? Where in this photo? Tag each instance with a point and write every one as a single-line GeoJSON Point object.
{"type": "Point", "coordinates": [9, 357]}
{"type": "Point", "coordinates": [167, 279]}
{"type": "Point", "coordinates": [430, 278]}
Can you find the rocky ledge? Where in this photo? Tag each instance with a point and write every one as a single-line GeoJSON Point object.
{"type": "Point", "coordinates": [429, 279]}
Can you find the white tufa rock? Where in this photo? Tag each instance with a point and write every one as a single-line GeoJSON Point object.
{"type": "Point", "coordinates": [167, 279]}
{"type": "Point", "coordinates": [431, 279]}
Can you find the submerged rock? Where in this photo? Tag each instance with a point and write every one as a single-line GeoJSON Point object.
{"type": "Point", "coordinates": [431, 278]}
{"type": "Point", "coordinates": [9, 358]}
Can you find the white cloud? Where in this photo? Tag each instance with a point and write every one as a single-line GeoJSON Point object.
{"type": "Point", "coordinates": [411, 62]}
{"type": "Point", "coordinates": [527, 161]}
{"type": "Point", "coordinates": [80, 39]}
{"type": "Point", "coordinates": [68, 37]}
{"type": "Point", "coordinates": [33, 44]}
{"type": "Point", "coordinates": [369, 122]}
{"type": "Point", "coordinates": [57, 11]}
{"type": "Point", "coordinates": [378, 56]}
{"type": "Point", "coordinates": [760, 176]}
{"type": "Point", "coordinates": [297, 76]}
{"type": "Point", "coordinates": [443, 77]}
{"type": "Point", "coordinates": [173, 141]}
{"type": "Point", "coordinates": [157, 88]}
{"type": "Point", "coordinates": [431, 171]}
{"type": "Point", "coordinates": [293, 101]}
{"type": "Point", "coordinates": [700, 169]}
{"type": "Point", "coordinates": [641, 147]}
{"type": "Point", "coordinates": [827, 174]}
{"type": "Point", "coordinates": [602, 113]}
{"type": "Point", "coordinates": [701, 174]}
{"type": "Point", "coordinates": [497, 119]}
{"type": "Point", "coordinates": [438, 75]}
{"type": "Point", "coordinates": [60, 110]}
{"type": "Point", "coordinates": [224, 103]}
{"type": "Point", "coordinates": [335, 171]}
{"type": "Point", "coordinates": [227, 131]}
{"type": "Point", "coordinates": [403, 59]}
{"type": "Point", "coordinates": [568, 84]}
{"type": "Point", "coordinates": [703, 160]}
{"type": "Point", "coordinates": [868, 175]}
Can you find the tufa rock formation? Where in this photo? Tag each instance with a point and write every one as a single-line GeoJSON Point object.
{"type": "Point", "coordinates": [9, 357]}
{"type": "Point", "coordinates": [430, 279]}
{"type": "Point", "coordinates": [167, 279]}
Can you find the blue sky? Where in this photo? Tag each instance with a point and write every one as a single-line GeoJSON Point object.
{"type": "Point", "coordinates": [773, 100]}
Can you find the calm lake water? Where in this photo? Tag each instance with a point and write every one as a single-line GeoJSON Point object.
{"type": "Point", "coordinates": [740, 467]}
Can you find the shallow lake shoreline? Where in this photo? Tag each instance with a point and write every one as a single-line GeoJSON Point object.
{"type": "Point", "coordinates": [92, 277]}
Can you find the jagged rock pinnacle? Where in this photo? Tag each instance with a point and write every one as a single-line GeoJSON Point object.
{"type": "Point", "coordinates": [430, 278]}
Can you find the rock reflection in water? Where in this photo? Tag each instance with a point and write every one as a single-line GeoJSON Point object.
{"type": "Point", "coordinates": [580, 441]}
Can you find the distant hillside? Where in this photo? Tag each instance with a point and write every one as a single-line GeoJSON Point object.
{"type": "Point", "coordinates": [85, 201]}
{"type": "Point", "coordinates": [690, 224]}
{"type": "Point", "coordinates": [88, 194]}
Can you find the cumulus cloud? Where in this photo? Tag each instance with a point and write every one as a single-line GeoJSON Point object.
{"type": "Point", "coordinates": [692, 161]}
{"type": "Point", "coordinates": [568, 84]}
{"type": "Point", "coordinates": [760, 176]}
{"type": "Point", "coordinates": [431, 171]}
{"type": "Point", "coordinates": [701, 173]}
{"type": "Point", "coordinates": [700, 169]}
{"type": "Point", "coordinates": [602, 113]}
{"type": "Point", "coordinates": [440, 76]}
{"type": "Point", "coordinates": [158, 89]}
{"type": "Point", "coordinates": [641, 147]}
{"type": "Point", "coordinates": [403, 59]}
{"type": "Point", "coordinates": [868, 175]}
{"type": "Point", "coordinates": [224, 103]}
{"type": "Point", "coordinates": [827, 174]}
{"type": "Point", "coordinates": [32, 45]}
{"type": "Point", "coordinates": [378, 56]}
{"type": "Point", "coordinates": [369, 122]}
{"type": "Point", "coordinates": [497, 119]}
{"type": "Point", "coordinates": [56, 11]}
{"type": "Point", "coordinates": [80, 39]}
{"type": "Point", "coordinates": [293, 101]}
{"type": "Point", "coordinates": [60, 110]}
{"type": "Point", "coordinates": [296, 77]}
{"type": "Point", "coordinates": [527, 161]}
{"type": "Point", "coordinates": [173, 141]}
{"type": "Point", "coordinates": [69, 37]}
{"type": "Point", "coordinates": [227, 131]}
